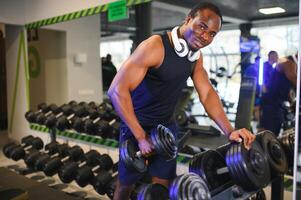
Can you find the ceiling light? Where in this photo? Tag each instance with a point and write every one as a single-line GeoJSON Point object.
{"type": "Point", "coordinates": [272, 10]}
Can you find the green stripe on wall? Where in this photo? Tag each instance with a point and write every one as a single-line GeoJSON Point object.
{"type": "Point", "coordinates": [77, 14]}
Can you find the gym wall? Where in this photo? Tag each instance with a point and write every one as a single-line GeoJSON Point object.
{"type": "Point", "coordinates": [20, 126]}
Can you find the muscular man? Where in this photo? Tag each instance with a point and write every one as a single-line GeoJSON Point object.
{"type": "Point", "coordinates": [282, 79]}
{"type": "Point", "coordinates": [146, 88]}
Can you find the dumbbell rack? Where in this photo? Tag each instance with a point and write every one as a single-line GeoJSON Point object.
{"type": "Point", "coordinates": [277, 185]}
{"type": "Point", "coordinates": [90, 139]}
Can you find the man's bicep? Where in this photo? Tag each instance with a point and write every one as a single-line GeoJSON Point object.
{"type": "Point", "coordinates": [129, 76]}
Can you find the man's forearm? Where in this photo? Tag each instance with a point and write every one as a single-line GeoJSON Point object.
{"type": "Point", "coordinates": [214, 109]}
{"type": "Point", "coordinates": [124, 107]}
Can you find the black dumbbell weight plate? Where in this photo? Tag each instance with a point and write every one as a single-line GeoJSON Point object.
{"type": "Point", "coordinates": [274, 151]}
{"type": "Point", "coordinates": [189, 186]}
{"type": "Point", "coordinates": [250, 169]}
{"type": "Point", "coordinates": [128, 156]}
{"type": "Point", "coordinates": [206, 164]}
{"type": "Point", "coordinates": [164, 142]}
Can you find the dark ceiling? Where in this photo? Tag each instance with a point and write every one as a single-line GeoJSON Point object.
{"type": "Point", "coordinates": [245, 9]}
{"type": "Point", "coordinates": [168, 13]}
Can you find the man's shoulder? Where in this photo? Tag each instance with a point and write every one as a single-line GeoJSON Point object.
{"type": "Point", "coordinates": [154, 40]}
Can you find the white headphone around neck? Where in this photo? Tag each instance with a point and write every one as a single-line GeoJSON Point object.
{"type": "Point", "coordinates": [181, 47]}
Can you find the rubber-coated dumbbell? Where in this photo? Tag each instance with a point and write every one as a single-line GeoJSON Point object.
{"type": "Point", "coordinates": [41, 118]}
{"type": "Point", "coordinates": [21, 150]}
{"type": "Point", "coordinates": [105, 106]}
{"type": "Point", "coordinates": [91, 125]}
{"type": "Point", "coordinates": [104, 182]}
{"type": "Point", "coordinates": [164, 144]}
{"type": "Point", "coordinates": [109, 129]}
{"type": "Point", "coordinates": [50, 149]}
{"type": "Point", "coordinates": [25, 142]}
{"type": "Point", "coordinates": [67, 173]}
{"type": "Point", "coordinates": [75, 153]}
{"type": "Point", "coordinates": [66, 121]}
{"type": "Point", "coordinates": [51, 120]}
{"type": "Point", "coordinates": [31, 116]}
{"type": "Point", "coordinates": [9, 146]}
{"type": "Point", "coordinates": [41, 161]}
{"type": "Point", "coordinates": [79, 123]}
{"type": "Point", "coordinates": [85, 174]}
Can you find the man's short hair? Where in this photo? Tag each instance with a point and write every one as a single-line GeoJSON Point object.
{"type": "Point", "coordinates": [272, 52]}
{"type": "Point", "coordinates": [205, 5]}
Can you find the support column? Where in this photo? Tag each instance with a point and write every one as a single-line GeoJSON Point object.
{"type": "Point", "coordinates": [143, 20]}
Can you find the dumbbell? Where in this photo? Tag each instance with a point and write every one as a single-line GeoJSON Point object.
{"type": "Point", "coordinates": [104, 182]}
{"type": "Point", "coordinates": [181, 117]}
{"type": "Point", "coordinates": [85, 174]}
{"type": "Point", "coordinates": [287, 139]}
{"type": "Point", "coordinates": [67, 173]}
{"type": "Point", "coordinates": [91, 125]}
{"type": "Point", "coordinates": [184, 187]}
{"type": "Point", "coordinates": [65, 122]}
{"type": "Point", "coordinates": [31, 116]}
{"type": "Point", "coordinates": [191, 149]}
{"type": "Point", "coordinates": [105, 106]}
{"type": "Point", "coordinates": [92, 105]}
{"type": "Point", "coordinates": [189, 186]}
{"type": "Point", "coordinates": [62, 151]}
{"type": "Point", "coordinates": [10, 146]}
{"type": "Point", "coordinates": [274, 151]}
{"type": "Point", "coordinates": [75, 153]}
{"type": "Point", "coordinates": [247, 168]}
{"type": "Point", "coordinates": [79, 123]}
{"type": "Point", "coordinates": [211, 166]}
{"type": "Point", "coordinates": [164, 144]}
{"type": "Point", "coordinates": [104, 129]}
{"type": "Point", "coordinates": [20, 151]}
{"type": "Point", "coordinates": [41, 118]}
{"type": "Point", "coordinates": [50, 149]}
{"type": "Point", "coordinates": [109, 128]}
{"type": "Point", "coordinates": [51, 120]}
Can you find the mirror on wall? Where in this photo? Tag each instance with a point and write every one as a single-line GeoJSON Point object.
{"type": "Point", "coordinates": [64, 62]}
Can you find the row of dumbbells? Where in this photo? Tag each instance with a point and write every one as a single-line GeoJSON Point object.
{"type": "Point", "coordinates": [70, 163]}
{"type": "Point", "coordinates": [212, 171]}
{"type": "Point", "coordinates": [89, 118]}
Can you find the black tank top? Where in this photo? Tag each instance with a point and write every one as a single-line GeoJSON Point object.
{"type": "Point", "coordinates": [154, 99]}
{"type": "Point", "coordinates": [278, 88]}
